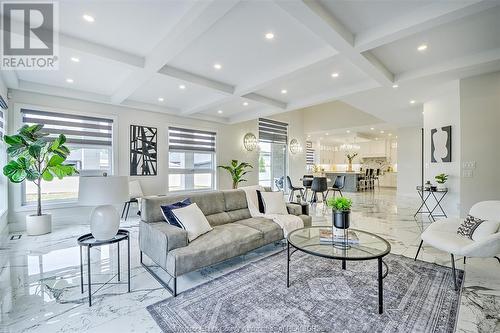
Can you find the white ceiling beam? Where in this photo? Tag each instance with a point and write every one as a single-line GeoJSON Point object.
{"type": "Point", "coordinates": [281, 73]}
{"type": "Point", "coordinates": [197, 79]}
{"type": "Point", "coordinates": [201, 16]}
{"type": "Point", "coordinates": [424, 18]}
{"type": "Point", "coordinates": [322, 23]}
{"type": "Point", "coordinates": [89, 47]}
{"type": "Point", "coordinates": [330, 96]}
{"type": "Point", "coordinates": [10, 78]}
{"type": "Point", "coordinates": [102, 51]}
{"type": "Point", "coordinates": [285, 71]}
{"type": "Point", "coordinates": [476, 59]}
{"type": "Point", "coordinates": [317, 99]}
{"type": "Point", "coordinates": [265, 100]}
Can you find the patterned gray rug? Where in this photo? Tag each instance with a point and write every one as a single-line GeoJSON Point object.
{"type": "Point", "coordinates": [418, 297]}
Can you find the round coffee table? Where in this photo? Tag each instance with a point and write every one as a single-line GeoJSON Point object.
{"type": "Point", "coordinates": [369, 247]}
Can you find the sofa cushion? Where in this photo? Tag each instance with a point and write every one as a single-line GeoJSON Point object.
{"type": "Point", "coordinates": [240, 214]}
{"type": "Point", "coordinates": [223, 242]}
{"type": "Point", "coordinates": [235, 199]}
{"type": "Point", "coordinates": [169, 216]}
{"type": "Point", "coordinates": [192, 220]}
{"type": "Point", "coordinates": [219, 219]}
{"type": "Point", "coordinates": [270, 230]}
{"type": "Point", "coordinates": [274, 203]}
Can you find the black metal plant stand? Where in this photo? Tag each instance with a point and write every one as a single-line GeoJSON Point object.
{"type": "Point", "coordinates": [89, 242]}
{"type": "Point", "coordinates": [425, 197]}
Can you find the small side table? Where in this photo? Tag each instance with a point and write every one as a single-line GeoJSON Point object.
{"type": "Point", "coordinates": [439, 197]}
{"type": "Point", "coordinates": [89, 241]}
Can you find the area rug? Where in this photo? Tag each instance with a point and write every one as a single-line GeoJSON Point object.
{"type": "Point", "coordinates": [418, 297]}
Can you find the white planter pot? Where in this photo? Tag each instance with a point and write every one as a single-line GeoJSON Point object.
{"type": "Point", "coordinates": [441, 187]}
{"type": "Point", "coordinates": [38, 225]}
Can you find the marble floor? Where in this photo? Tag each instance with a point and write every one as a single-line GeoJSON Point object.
{"type": "Point", "coordinates": [40, 276]}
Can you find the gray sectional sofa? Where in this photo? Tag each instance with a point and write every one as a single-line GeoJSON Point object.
{"type": "Point", "coordinates": [234, 232]}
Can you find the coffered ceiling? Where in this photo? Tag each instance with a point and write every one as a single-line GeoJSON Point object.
{"type": "Point", "coordinates": [231, 61]}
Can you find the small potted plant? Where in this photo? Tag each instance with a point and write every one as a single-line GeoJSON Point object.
{"type": "Point", "coordinates": [341, 210]}
{"type": "Point", "coordinates": [237, 171]}
{"type": "Point", "coordinates": [441, 180]}
{"type": "Point", "coordinates": [36, 158]}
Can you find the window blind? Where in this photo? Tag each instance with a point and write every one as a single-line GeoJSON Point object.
{"type": "Point", "coordinates": [309, 153]}
{"type": "Point", "coordinates": [273, 131]}
{"type": "Point", "coordinates": [80, 130]}
{"type": "Point", "coordinates": [181, 139]}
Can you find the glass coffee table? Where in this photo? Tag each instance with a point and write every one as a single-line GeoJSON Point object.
{"type": "Point", "coordinates": [368, 247]}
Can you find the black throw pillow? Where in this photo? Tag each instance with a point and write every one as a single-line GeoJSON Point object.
{"type": "Point", "coordinates": [261, 202]}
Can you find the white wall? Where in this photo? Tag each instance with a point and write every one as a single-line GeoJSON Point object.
{"type": "Point", "coordinates": [229, 138]}
{"type": "Point", "coordinates": [409, 160]}
{"type": "Point", "coordinates": [3, 179]}
{"type": "Point", "coordinates": [480, 136]}
{"type": "Point", "coordinates": [442, 111]}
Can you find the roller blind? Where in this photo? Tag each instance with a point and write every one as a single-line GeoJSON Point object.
{"type": "Point", "coordinates": [273, 131]}
{"type": "Point", "coordinates": [309, 153]}
{"type": "Point", "coordinates": [79, 130]}
{"type": "Point", "coordinates": [182, 139]}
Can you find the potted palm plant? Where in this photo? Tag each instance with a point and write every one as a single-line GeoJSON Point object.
{"type": "Point", "coordinates": [34, 158]}
{"type": "Point", "coordinates": [341, 210]}
{"type": "Point", "coordinates": [441, 180]}
{"type": "Point", "coordinates": [237, 171]}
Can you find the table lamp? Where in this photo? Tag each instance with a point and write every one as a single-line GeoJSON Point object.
{"type": "Point", "coordinates": [103, 192]}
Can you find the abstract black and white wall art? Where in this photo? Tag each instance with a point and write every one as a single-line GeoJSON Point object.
{"type": "Point", "coordinates": [441, 144]}
{"type": "Point", "coordinates": [143, 150]}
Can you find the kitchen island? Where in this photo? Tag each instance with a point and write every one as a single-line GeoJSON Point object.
{"type": "Point", "coordinates": [351, 179]}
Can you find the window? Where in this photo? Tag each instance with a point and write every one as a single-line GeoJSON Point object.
{"type": "Point", "coordinates": [191, 159]}
{"type": "Point", "coordinates": [3, 156]}
{"type": "Point", "coordinates": [273, 138]}
{"type": "Point", "coordinates": [90, 142]}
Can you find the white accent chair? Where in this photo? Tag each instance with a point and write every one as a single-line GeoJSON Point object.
{"type": "Point", "coordinates": [135, 194]}
{"type": "Point", "coordinates": [443, 236]}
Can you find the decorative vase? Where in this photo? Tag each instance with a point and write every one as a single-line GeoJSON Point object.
{"type": "Point", "coordinates": [441, 187]}
{"type": "Point", "coordinates": [341, 219]}
{"type": "Point", "coordinates": [349, 167]}
{"type": "Point", "coordinates": [38, 225]}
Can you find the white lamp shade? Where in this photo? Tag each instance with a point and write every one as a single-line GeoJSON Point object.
{"type": "Point", "coordinates": [109, 190]}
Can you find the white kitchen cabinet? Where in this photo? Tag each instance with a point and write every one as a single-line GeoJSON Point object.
{"type": "Point", "coordinates": [389, 179]}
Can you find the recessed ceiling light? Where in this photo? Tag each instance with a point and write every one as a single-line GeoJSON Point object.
{"type": "Point", "coordinates": [335, 74]}
{"type": "Point", "coordinates": [160, 99]}
{"type": "Point", "coordinates": [413, 101]}
{"type": "Point", "coordinates": [217, 66]}
{"type": "Point", "coordinates": [390, 134]}
{"type": "Point", "coordinates": [182, 87]}
{"type": "Point", "coordinates": [284, 91]}
{"type": "Point", "coordinates": [220, 111]}
{"type": "Point", "coordinates": [88, 18]}
{"type": "Point", "coordinates": [75, 59]}
{"type": "Point", "coordinates": [269, 35]}
{"type": "Point", "coordinates": [395, 86]}
{"type": "Point", "coordinates": [348, 131]}
{"type": "Point", "coordinates": [382, 132]}
{"type": "Point", "coordinates": [309, 136]}
{"type": "Point", "coordinates": [372, 128]}
{"type": "Point", "coordinates": [327, 133]}
{"type": "Point", "coordinates": [69, 80]}
{"type": "Point", "coordinates": [245, 103]}
{"type": "Point", "coordinates": [376, 138]}
{"type": "Point", "coordinates": [422, 47]}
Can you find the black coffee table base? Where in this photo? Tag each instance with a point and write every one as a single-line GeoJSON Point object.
{"type": "Point", "coordinates": [381, 274]}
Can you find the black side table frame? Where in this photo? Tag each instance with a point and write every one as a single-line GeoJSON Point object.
{"type": "Point", "coordinates": [89, 242]}
{"type": "Point", "coordinates": [425, 198]}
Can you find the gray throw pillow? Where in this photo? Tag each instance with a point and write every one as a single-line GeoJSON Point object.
{"type": "Point", "coordinates": [468, 226]}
